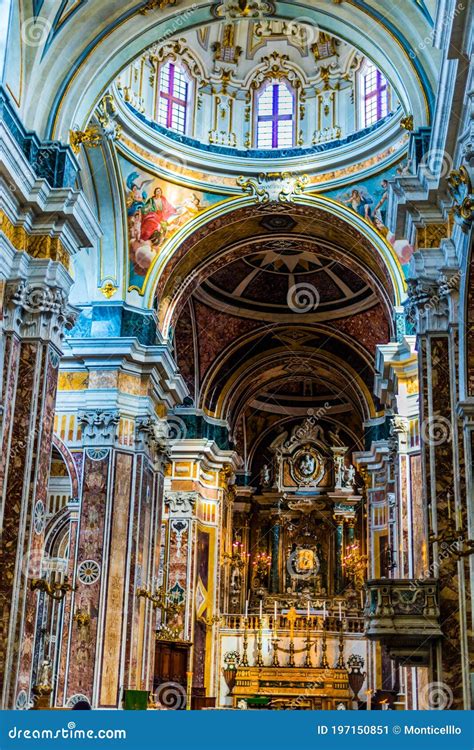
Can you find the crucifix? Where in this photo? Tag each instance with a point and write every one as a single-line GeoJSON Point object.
{"type": "Point", "coordinates": [292, 616]}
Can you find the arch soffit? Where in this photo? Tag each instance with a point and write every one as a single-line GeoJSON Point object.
{"type": "Point", "coordinates": [188, 258]}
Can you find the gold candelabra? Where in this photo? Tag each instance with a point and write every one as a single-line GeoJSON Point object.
{"type": "Point", "coordinates": [161, 600]}
{"type": "Point", "coordinates": [238, 558]}
{"type": "Point", "coordinates": [355, 565]}
{"type": "Point", "coordinates": [261, 564]}
{"type": "Point", "coordinates": [57, 590]}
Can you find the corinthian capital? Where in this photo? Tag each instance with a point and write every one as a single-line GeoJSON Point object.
{"type": "Point", "coordinates": [36, 310]}
{"type": "Point", "coordinates": [151, 436]}
{"type": "Point", "coordinates": [180, 504]}
{"type": "Point", "coordinates": [99, 427]}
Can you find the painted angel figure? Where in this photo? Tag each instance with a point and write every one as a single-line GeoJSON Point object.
{"type": "Point", "coordinates": [137, 195]}
{"type": "Point", "coordinates": [360, 201]}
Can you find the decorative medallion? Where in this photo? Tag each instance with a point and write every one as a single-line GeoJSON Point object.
{"type": "Point", "coordinates": [96, 454]}
{"type": "Point", "coordinates": [307, 466]}
{"type": "Point", "coordinates": [88, 572]}
{"type": "Point", "coordinates": [76, 698]}
{"type": "Point", "coordinates": [54, 359]}
{"type": "Point", "coordinates": [39, 517]}
{"type": "Point", "coordinates": [21, 701]}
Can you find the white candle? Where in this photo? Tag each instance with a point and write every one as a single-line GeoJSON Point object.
{"type": "Point", "coordinates": [261, 609]}
{"type": "Point", "coordinates": [340, 611]}
{"type": "Point", "coordinates": [324, 610]}
{"type": "Point", "coordinates": [274, 615]}
{"type": "Point", "coordinates": [308, 611]}
{"type": "Point", "coordinates": [247, 608]}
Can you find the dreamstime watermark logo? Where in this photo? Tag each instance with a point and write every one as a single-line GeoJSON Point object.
{"type": "Point", "coordinates": [428, 40]}
{"type": "Point", "coordinates": [302, 564]}
{"type": "Point", "coordinates": [303, 30]}
{"type": "Point", "coordinates": [171, 695]}
{"type": "Point", "coordinates": [438, 162]}
{"type": "Point", "coordinates": [303, 298]}
{"type": "Point", "coordinates": [435, 430]}
{"type": "Point", "coordinates": [436, 696]}
{"type": "Point", "coordinates": [177, 429]}
{"type": "Point", "coordinates": [69, 732]}
{"type": "Point", "coordinates": [35, 31]}
{"type": "Point", "coordinates": [176, 24]}
{"type": "Point", "coordinates": [445, 551]}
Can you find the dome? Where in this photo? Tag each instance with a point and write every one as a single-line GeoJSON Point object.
{"type": "Point", "coordinates": [254, 90]}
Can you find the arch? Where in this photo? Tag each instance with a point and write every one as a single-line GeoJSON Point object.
{"type": "Point", "coordinates": [186, 260]}
{"type": "Point", "coordinates": [71, 466]}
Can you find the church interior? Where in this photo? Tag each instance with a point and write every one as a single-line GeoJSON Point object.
{"type": "Point", "coordinates": [237, 355]}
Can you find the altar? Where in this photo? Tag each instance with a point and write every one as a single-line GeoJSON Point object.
{"type": "Point", "coordinates": [293, 688]}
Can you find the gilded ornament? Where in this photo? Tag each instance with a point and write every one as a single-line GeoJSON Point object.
{"type": "Point", "coordinates": [108, 289]}
{"type": "Point", "coordinates": [407, 122]}
{"type": "Point", "coordinates": [90, 137]}
{"type": "Point", "coordinates": [157, 5]}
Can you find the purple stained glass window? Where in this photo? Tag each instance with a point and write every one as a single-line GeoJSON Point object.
{"type": "Point", "coordinates": [172, 99]}
{"type": "Point", "coordinates": [275, 115]}
{"type": "Point", "coordinates": [375, 95]}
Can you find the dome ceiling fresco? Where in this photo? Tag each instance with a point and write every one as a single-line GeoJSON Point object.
{"type": "Point", "coordinates": [273, 280]}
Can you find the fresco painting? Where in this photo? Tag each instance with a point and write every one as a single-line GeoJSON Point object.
{"type": "Point", "coordinates": [156, 210]}
{"type": "Point", "coordinates": [369, 200]}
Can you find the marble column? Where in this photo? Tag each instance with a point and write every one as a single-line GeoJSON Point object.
{"type": "Point", "coordinates": [35, 316]}
{"type": "Point", "coordinates": [339, 575]}
{"type": "Point", "coordinates": [275, 566]}
{"type": "Point", "coordinates": [117, 554]}
{"type": "Point", "coordinates": [433, 306]}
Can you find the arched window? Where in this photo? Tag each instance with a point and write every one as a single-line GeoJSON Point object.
{"type": "Point", "coordinates": [374, 95]}
{"type": "Point", "coordinates": [275, 124]}
{"type": "Point", "coordinates": [172, 97]}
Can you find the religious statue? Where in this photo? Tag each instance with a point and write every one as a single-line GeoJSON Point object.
{"type": "Point", "coordinates": [307, 465]}
{"type": "Point", "coordinates": [44, 676]}
{"type": "Point", "coordinates": [265, 476]}
{"type": "Point", "coordinates": [350, 476]}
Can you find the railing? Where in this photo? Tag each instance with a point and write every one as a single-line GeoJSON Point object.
{"type": "Point", "coordinates": [237, 623]}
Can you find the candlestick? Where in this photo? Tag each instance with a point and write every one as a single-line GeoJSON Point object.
{"type": "Point", "coordinates": [324, 659]}
{"type": "Point", "coordinates": [340, 662]}
{"type": "Point", "coordinates": [291, 654]}
{"type": "Point", "coordinates": [275, 661]}
{"type": "Point", "coordinates": [259, 661]}
{"type": "Point", "coordinates": [244, 662]}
